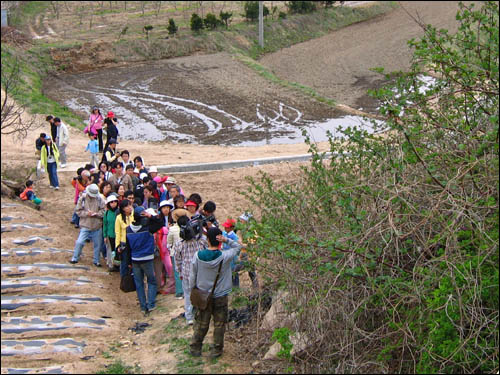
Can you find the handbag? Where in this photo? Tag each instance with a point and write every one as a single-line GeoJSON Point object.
{"type": "Point", "coordinates": [199, 298]}
{"type": "Point", "coordinates": [127, 283]}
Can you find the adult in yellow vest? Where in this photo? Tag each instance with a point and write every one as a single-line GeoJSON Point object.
{"type": "Point", "coordinates": [50, 159]}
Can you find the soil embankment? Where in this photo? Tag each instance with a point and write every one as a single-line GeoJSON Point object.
{"type": "Point", "coordinates": [339, 65]}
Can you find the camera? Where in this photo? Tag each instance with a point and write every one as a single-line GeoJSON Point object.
{"type": "Point", "coordinates": [153, 203]}
{"type": "Point", "coordinates": [190, 230]}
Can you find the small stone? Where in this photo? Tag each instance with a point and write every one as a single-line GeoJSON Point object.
{"type": "Point", "coordinates": [255, 364]}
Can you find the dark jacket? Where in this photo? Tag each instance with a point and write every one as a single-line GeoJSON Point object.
{"type": "Point", "coordinates": [39, 144]}
{"type": "Point", "coordinates": [140, 240]}
{"type": "Point", "coordinates": [53, 131]}
{"type": "Point", "coordinates": [111, 129]}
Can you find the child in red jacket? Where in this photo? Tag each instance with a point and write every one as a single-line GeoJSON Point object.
{"type": "Point", "coordinates": [28, 194]}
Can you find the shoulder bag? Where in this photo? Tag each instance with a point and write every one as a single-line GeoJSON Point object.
{"type": "Point", "coordinates": [199, 298]}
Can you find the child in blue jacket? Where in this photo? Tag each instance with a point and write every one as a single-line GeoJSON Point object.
{"type": "Point", "coordinates": [93, 147]}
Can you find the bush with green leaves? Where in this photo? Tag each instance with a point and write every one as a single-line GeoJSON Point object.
{"type": "Point", "coordinates": [196, 23]}
{"type": "Point", "coordinates": [210, 21]}
{"type": "Point", "coordinates": [172, 27]}
{"type": "Point", "coordinates": [389, 249]}
{"type": "Point", "coordinates": [301, 6]}
{"type": "Point", "coordinates": [251, 9]}
{"type": "Point", "coordinates": [225, 18]}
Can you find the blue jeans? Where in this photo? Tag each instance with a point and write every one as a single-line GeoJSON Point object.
{"type": "Point", "coordinates": [52, 171]}
{"type": "Point", "coordinates": [139, 270]}
{"type": "Point", "coordinates": [75, 218]}
{"type": "Point", "coordinates": [178, 281]}
{"type": "Point", "coordinates": [124, 262]}
{"type": "Point", "coordinates": [95, 235]}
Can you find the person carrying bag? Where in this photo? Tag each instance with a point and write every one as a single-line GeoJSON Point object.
{"type": "Point", "coordinates": [200, 298]}
{"type": "Point", "coordinates": [214, 303]}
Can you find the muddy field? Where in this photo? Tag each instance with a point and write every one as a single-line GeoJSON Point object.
{"type": "Point", "coordinates": [208, 99]}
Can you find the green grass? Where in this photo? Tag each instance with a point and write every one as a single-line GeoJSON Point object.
{"type": "Point", "coordinates": [27, 11]}
{"type": "Point", "coordinates": [190, 365]}
{"type": "Point", "coordinates": [30, 88]}
{"type": "Point", "coordinates": [118, 367]}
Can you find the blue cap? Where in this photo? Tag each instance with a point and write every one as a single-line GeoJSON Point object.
{"type": "Point", "coordinates": [139, 210]}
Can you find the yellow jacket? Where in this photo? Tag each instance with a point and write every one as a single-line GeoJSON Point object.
{"type": "Point", "coordinates": [44, 155]}
{"type": "Point", "coordinates": [121, 228]}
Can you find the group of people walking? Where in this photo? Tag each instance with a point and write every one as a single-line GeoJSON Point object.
{"type": "Point", "coordinates": [143, 224]}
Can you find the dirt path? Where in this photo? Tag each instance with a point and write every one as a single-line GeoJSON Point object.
{"type": "Point", "coordinates": [338, 65]}
{"type": "Point", "coordinates": [161, 348]}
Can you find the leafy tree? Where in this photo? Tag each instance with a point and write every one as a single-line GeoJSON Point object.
{"type": "Point", "coordinates": [196, 23]}
{"type": "Point", "coordinates": [172, 27]}
{"type": "Point", "coordinates": [210, 21]}
{"type": "Point", "coordinates": [147, 29]}
{"type": "Point", "coordinates": [300, 6]}
{"type": "Point", "coordinates": [398, 265]}
{"type": "Point", "coordinates": [225, 17]}
{"type": "Point", "coordinates": [251, 9]}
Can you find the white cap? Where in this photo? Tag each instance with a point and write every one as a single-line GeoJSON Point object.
{"type": "Point", "coordinates": [151, 211]}
{"type": "Point", "coordinates": [153, 169]}
{"type": "Point", "coordinates": [142, 175]}
{"type": "Point", "coordinates": [111, 198]}
{"type": "Point", "coordinates": [166, 203]}
{"type": "Point", "coordinates": [170, 180]}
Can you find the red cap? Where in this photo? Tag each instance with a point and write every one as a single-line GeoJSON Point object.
{"type": "Point", "coordinates": [111, 114]}
{"type": "Point", "coordinates": [229, 223]}
{"type": "Point", "coordinates": [190, 203]}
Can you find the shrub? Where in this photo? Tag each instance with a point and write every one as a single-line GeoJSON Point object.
{"type": "Point", "coordinates": [300, 6]}
{"type": "Point", "coordinates": [172, 27]}
{"type": "Point", "coordinates": [196, 23]}
{"type": "Point", "coordinates": [396, 270]}
{"type": "Point", "coordinates": [210, 21]}
{"type": "Point", "coordinates": [251, 9]}
{"type": "Point", "coordinates": [225, 18]}
{"type": "Point", "coordinates": [282, 15]}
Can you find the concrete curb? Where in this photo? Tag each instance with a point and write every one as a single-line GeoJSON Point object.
{"type": "Point", "coordinates": [217, 166]}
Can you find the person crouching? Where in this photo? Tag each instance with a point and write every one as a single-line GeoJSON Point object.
{"type": "Point", "coordinates": [140, 244]}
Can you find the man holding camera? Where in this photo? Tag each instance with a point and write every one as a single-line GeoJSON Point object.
{"type": "Point", "coordinates": [110, 153]}
{"type": "Point", "coordinates": [185, 249]}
